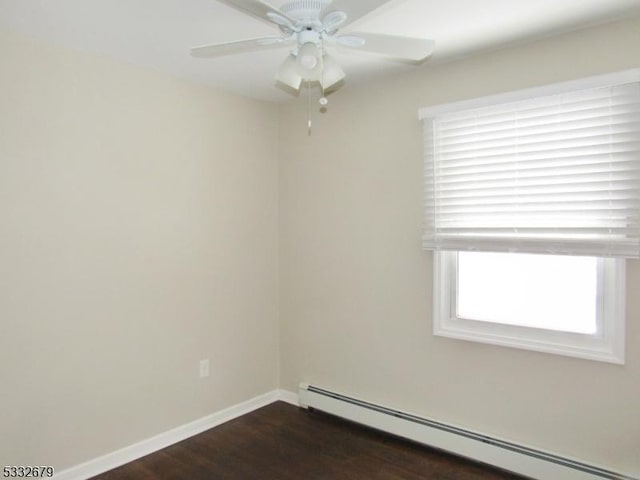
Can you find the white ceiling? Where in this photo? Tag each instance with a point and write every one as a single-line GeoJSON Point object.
{"type": "Point", "coordinates": [159, 33]}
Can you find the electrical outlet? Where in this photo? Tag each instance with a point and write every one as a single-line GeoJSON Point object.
{"type": "Point", "coordinates": [204, 368]}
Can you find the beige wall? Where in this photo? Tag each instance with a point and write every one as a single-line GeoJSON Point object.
{"type": "Point", "coordinates": [356, 288]}
{"type": "Point", "coordinates": [139, 224]}
{"type": "Point", "coordinates": [138, 233]}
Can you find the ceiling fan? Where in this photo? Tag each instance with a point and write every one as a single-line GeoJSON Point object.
{"type": "Point", "coordinates": [311, 27]}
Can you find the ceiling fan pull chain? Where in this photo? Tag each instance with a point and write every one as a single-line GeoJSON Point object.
{"type": "Point", "coordinates": [309, 108]}
{"type": "Point", "coordinates": [323, 98]}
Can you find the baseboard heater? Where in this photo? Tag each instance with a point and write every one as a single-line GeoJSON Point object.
{"type": "Point", "coordinates": [522, 460]}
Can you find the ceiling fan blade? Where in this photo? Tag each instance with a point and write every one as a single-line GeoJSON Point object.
{"type": "Point", "coordinates": [262, 10]}
{"type": "Point", "coordinates": [229, 48]}
{"type": "Point", "coordinates": [355, 9]}
{"type": "Point", "coordinates": [393, 46]}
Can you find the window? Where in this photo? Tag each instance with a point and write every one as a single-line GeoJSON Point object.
{"type": "Point", "coordinates": [556, 304]}
{"type": "Point", "coordinates": [542, 291]}
{"type": "Point", "coordinates": [532, 205]}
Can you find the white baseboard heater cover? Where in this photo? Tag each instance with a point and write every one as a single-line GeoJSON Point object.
{"type": "Point", "coordinates": [509, 456]}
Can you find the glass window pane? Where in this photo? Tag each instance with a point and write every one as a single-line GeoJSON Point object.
{"type": "Point", "coordinates": [542, 291]}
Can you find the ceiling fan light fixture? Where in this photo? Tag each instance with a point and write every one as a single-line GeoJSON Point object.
{"type": "Point", "coordinates": [309, 61]}
{"type": "Point", "coordinates": [288, 74]}
{"type": "Point", "coordinates": [332, 73]}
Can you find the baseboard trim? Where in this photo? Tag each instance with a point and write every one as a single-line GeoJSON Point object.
{"type": "Point", "coordinates": [517, 458]}
{"type": "Point", "coordinates": [145, 447]}
{"type": "Point", "coordinates": [288, 397]}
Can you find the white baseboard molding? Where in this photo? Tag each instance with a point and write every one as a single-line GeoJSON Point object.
{"type": "Point", "coordinates": [288, 397]}
{"type": "Point", "coordinates": [526, 461]}
{"type": "Point", "coordinates": [133, 452]}
{"type": "Point", "coordinates": [372, 415]}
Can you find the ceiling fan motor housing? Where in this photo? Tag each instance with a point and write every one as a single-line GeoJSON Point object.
{"type": "Point", "coordinates": [309, 36]}
{"type": "Point", "coordinates": [306, 13]}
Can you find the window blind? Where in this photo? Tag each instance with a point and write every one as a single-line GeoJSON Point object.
{"type": "Point", "coordinates": [554, 174]}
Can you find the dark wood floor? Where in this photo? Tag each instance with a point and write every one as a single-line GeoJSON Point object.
{"type": "Point", "coordinates": [283, 442]}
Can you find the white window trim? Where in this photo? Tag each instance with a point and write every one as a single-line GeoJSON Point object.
{"type": "Point", "coordinates": [607, 345]}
